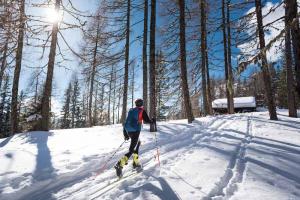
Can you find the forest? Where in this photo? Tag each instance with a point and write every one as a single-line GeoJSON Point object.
{"type": "Point", "coordinates": [94, 58]}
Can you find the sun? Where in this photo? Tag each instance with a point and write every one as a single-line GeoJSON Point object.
{"type": "Point", "coordinates": [53, 16]}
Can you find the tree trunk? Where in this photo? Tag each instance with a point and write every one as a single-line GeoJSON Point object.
{"type": "Point", "coordinates": [288, 59]}
{"type": "Point", "coordinates": [109, 94]}
{"type": "Point", "coordinates": [208, 88]}
{"type": "Point", "coordinates": [46, 106]}
{"type": "Point", "coordinates": [119, 102]}
{"type": "Point", "coordinates": [95, 113]}
{"type": "Point", "coordinates": [204, 61]}
{"type": "Point", "coordinates": [152, 65]}
{"type": "Point", "coordinates": [295, 32]}
{"type": "Point", "coordinates": [230, 108]}
{"type": "Point", "coordinates": [230, 76]}
{"type": "Point", "coordinates": [114, 96]}
{"type": "Point", "coordinates": [92, 78]}
{"type": "Point", "coordinates": [145, 67]}
{"type": "Point", "coordinates": [3, 62]}
{"type": "Point", "coordinates": [185, 87]}
{"type": "Point", "coordinates": [102, 104]}
{"type": "Point", "coordinates": [132, 87]}
{"type": "Point", "coordinates": [203, 57]}
{"type": "Point", "coordinates": [265, 69]}
{"type": "Point", "coordinates": [19, 54]}
{"type": "Point", "coordinates": [125, 91]}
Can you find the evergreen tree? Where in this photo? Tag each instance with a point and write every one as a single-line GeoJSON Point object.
{"type": "Point", "coordinates": [66, 115]}
{"type": "Point", "coordinates": [74, 104]}
{"type": "Point", "coordinates": [5, 108]}
{"type": "Point", "coordinates": [32, 113]}
{"type": "Point", "coordinates": [162, 86]}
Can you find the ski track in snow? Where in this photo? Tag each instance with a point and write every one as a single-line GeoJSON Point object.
{"type": "Point", "coordinates": [231, 137]}
{"type": "Point", "coordinates": [227, 184]}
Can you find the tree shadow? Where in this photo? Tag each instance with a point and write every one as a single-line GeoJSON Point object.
{"type": "Point", "coordinates": [166, 192]}
{"type": "Point", "coordinates": [280, 122]}
{"type": "Point", "coordinates": [5, 141]}
{"type": "Point", "coordinates": [289, 175]}
{"type": "Point", "coordinates": [262, 138]}
{"type": "Point", "coordinates": [292, 171]}
{"type": "Point", "coordinates": [44, 168]}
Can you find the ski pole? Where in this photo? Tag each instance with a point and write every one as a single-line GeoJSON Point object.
{"type": "Point", "coordinates": [109, 159]}
{"type": "Point", "coordinates": [156, 144]}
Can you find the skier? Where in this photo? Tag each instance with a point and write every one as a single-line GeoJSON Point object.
{"type": "Point", "coordinates": [132, 129]}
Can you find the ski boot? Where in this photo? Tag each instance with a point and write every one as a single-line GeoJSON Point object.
{"type": "Point", "coordinates": [119, 166]}
{"type": "Point", "coordinates": [136, 163]}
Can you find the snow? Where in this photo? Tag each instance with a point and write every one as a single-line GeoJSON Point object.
{"type": "Point", "coordinates": [33, 117]}
{"type": "Point", "coordinates": [239, 102]}
{"type": "Point", "coordinates": [241, 156]}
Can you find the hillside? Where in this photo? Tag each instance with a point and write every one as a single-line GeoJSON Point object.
{"type": "Point", "coordinates": [241, 156]}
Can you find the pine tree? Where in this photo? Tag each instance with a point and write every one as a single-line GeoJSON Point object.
{"type": "Point", "coordinates": [74, 104]}
{"type": "Point", "coordinates": [66, 115]}
{"type": "Point", "coordinates": [163, 85]}
{"type": "Point", "coordinates": [5, 108]}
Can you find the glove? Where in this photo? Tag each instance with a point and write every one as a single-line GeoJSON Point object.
{"type": "Point", "coordinates": [126, 137]}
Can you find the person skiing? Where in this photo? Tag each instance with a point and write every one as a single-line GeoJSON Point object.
{"type": "Point", "coordinates": [132, 129]}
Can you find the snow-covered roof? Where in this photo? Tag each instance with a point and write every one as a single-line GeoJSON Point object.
{"type": "Point", "coordinates": [33, 117]}
{"type": "Point", "coordinates": [239, 102]}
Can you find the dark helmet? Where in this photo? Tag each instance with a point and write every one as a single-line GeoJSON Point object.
{"type": "Point", "coordinates": [139, 102]}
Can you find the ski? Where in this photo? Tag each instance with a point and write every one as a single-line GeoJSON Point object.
{"type": "Point", "coordinates": [112, 185]}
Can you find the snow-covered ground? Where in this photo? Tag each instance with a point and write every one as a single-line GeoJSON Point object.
{"type": "Point", "coordinates": [241, 156]}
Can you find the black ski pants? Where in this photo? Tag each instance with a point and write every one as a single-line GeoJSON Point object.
{"type": "Point", "coordinates": [134, 143]}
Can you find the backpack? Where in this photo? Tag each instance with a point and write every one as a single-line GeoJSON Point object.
{"type": "Point", "coordinates": [134, 119]}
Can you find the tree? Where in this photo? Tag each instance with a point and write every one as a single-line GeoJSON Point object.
{"type": "Point", "coordinates": [66, 115]}
{"type": "Point", "coordinates": [230, 76]}
{"type": "Point", "coordinates": [109, 93]}
{"type": "Point", "coordinates": [127, 45]}
{"type": "Point", "coordinates": [152, 65]}
{"type": "Point", "coordinates": [207, 109]}
{"type": "Point", "coordinates": [163, 86]}
{"type": "Point", "coordinates": [264, 63]}
{"type": "Point", "coordinates": [227, 60]}
{"type": "Point", "coordinates": [93, 72]}
{"type": "Point", "coordinates": [288, 63]}
{"type": "Point", "coordinates": [145, 67]}
{"type": "Point", "coordinates": [19, 53]}
{"type": "Point", "coordinates": [8, 24]}
{"type": "Point", "coordinates": [92, 75]}
{"type": "Point", "coordinates": [5, 108]}
{"type": "Point", "coordinates": [75, 107]}
{"type": "Point", "coordinates": [185, 87]}
{"type": "Point", "coordinates": [295, 32]}
{"type": "Point", "coordinates": [45, 124]}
